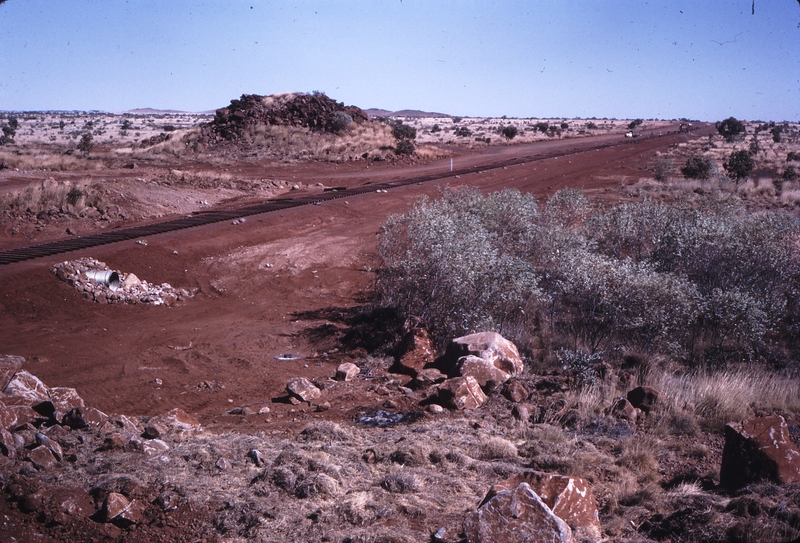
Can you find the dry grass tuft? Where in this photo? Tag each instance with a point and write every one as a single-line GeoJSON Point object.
{"type": "Point", "coordinates": [496, 448]}
{"type": "Point", "coordinates": [725, 396]}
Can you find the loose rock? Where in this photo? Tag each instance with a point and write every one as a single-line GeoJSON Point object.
{"type": "Point", "coordinates": [759, 450]}
{"type": "Point", "coordinates": [513, 516]}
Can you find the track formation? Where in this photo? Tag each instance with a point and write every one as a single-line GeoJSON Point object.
{"type": "Point", "coordinates": [207, 217]}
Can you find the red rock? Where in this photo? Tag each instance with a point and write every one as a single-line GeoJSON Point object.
{"type": "Point", "coordinates": [82, 417]}
{"type": "Point", "coordinates": [154, 430]}
{"type": "Point", "coordinates": [482, 370]}
{"type": "Point", "coordinates": [759, 450]}
{"type": "Point", "coordinates": [9, 365]}
{"type": "Point", "coordinates": [303, 389]}
{"type": "Point", "coordinates": [462, 393]}
{"type": "Point", "coordinates": [64, 399]}
{"type": "Point", "coordinates": [347, 371]}
{"type": "Point", "coordinates": [8, 446]}
{"type": "Point", "coordinates": [178, 421]}
{"type": "Point", "coordinates": [8, 417]}
{"type": "Point", "coordinates": [27, 386]}
{"type": "Point", "coordinates": [118, 509]}
{"type": "Point", "coordinates": [623, 409]}
{"type": "Point", "coordinates": [644, 398]}
{"type": "Point", "coordinates": [416, 351]}
{"type": "Point", "coordinates": [490, 346]}
{"type": "Point", "coordinates": [42, 458]}
{"type": "Point", "coordinates": [513, 516]}
{"type": "Point", "coordinates": [516, 391]}
{"type": "Point", "coordinates": [428, 377]}
{"type": "Point", "coordinates": [570, 498]}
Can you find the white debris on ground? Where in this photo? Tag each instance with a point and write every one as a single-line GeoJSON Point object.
{"type": "Point", "coordinates": [131, 289]}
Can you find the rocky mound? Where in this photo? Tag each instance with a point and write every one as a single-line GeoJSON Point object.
{"type": "Point", "coordinates": [314, 111]}
{"type": "Point", "coordinates": [99, 283]}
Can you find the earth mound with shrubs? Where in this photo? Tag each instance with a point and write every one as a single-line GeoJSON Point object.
{"type": "Point", "coordinates": [314, 111]}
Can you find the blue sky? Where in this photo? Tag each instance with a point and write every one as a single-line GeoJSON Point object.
{"type": "Point", "coordinates": [701, 59]}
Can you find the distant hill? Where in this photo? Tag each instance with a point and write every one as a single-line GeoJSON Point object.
{"type": "Point", "coordinates": [151, 111]}
{"type": "Point", "coordinates": [376, 112]}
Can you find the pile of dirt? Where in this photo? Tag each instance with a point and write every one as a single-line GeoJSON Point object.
{"type": "Point", "coordinates": [314, 111]}
{"type": "Point", "coordinates": [97, 282]}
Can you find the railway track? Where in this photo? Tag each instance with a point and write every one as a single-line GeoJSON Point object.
{"type": "Point", "coordinates": [278, 204]}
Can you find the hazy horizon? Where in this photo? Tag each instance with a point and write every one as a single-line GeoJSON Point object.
{"type": "Point", "coordinates": [658, 59]}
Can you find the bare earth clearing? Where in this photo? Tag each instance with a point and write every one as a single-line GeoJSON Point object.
{"type": "Point", "coordinates": [296, 282]}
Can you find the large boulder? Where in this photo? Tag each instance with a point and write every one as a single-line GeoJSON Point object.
{"type": "Point", "coordinates": [759, 450]}
{"type": "Point", "coordinates": [570, 498]}
{"type": "Point", "coordinates": [516, 515]}
{"type": "Point", "coordinates": [482, 370]}
{"type": "Point", "coordinates": [28, 387]}
{"type": "Point", "coordinates": [416, 352]}
{"type": "Point", "coordinates": [461, 393]}
{"type": "Point", "coordinates": [490, 346]}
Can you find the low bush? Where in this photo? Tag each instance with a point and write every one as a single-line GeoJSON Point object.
{"type": "Point", "coordinates": [509, 132]}
{"type": "Point", "coordinates": [697, 167]}
{"type": "Point", "coordinates": [739, 165]}
{"type": "Point", "coordinates": [707, 283]}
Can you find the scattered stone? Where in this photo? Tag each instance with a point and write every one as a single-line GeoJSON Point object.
{"type": "Point", "coordinates": [8, 417]}
{"type": "Point", "coordinates": [222, 464]}
{"type": "Point", "coordinates": [759, 450]}
{"type": "Point", "coordinates": [8, 446]}
{"type": "Point", "coordinates": [416, 351]}
{"type": "Point", "coordinates": [623, 409]}
{"type": "Point", "coordinates": [263, 410]}
{"type": "Point", "coordinates": [113, 441]}
{"type": "Point", "coordinates": [440, 533]}
{"type": "Point", "coordinates": [42, 458]}
{"type": "Point", "coordinates": [516, 515]}
{"type": "Point", "coordinates": [27, 387]}
{"type": "Point", "coordinates": [257, 458]}
{"type": "Point", "coordinates": [115, 505]}
{"type": "Point", "coordinates": [83, 417]}
{"type": "Point", "coordinates": [177, 420]}
{"type": "Point", "coordinates": [436, 409]}
{"type": "Point", "coordinates": [515, 391]}
{"type": "Point", "coordinates": [569, 498]}
{"type": "Point", "coordinates": [521, 413]}
{"type": "Point", "coordinates": [481, 370]}
{"type": "Point", "coordinates": [168, 500]}
{"type": "Point", "coordinates": [390, 404]}
{"type": "Point", "coordinates": [324, 406]}
{"type": "Point", "coordinates": [9, 365]}
{"type": "Point", "coordinates": [54, 447]}
{"type": "Point", "coordinates": [644, 398]}
{"type": "Point", "coordinates": [154, 430]}
{"type": "Point", "coordinates": [462, 393]}
{"type": "Point", "coordinates": [490, 346]}
{"type": "Point", "coordinates": [303, 389]}
{"type": "Point", "coordinates": [347, 372]}
{"type": "Point", "coordinates": [428, 377]}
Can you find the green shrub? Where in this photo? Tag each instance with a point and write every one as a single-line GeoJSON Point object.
{"type": "Point", "coordinates": [590, 125]}
{"type": "Point", "coordinates": [405, 147]}
{"type": "Point", "coordinates": [633, 124]}
{"type": "Point", "coordinates": [661, 168]}
{"type": "Point", "coordinates": [697, 167]}
{"type": "Point", "coordinates": [86, 144]}
{"type": "Point", "coordinates": [463, 132]}
{"type": "Point", "coordinates": [339, 121]}
{"type": "Point", "coordinates": [509, 132]}
{"type": "Point", "coordinates": [789, 174]}
{"type": "Point", "coordinates": [792, 156]}
{"type": "Point", "coordinates": [403, 131]}
{"type": "Point", "coordinates": [739, 165]}
{"type": "Point", "coordinates": [542, 126]}
{"type": "Point", "coordinates": [730, 128]}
